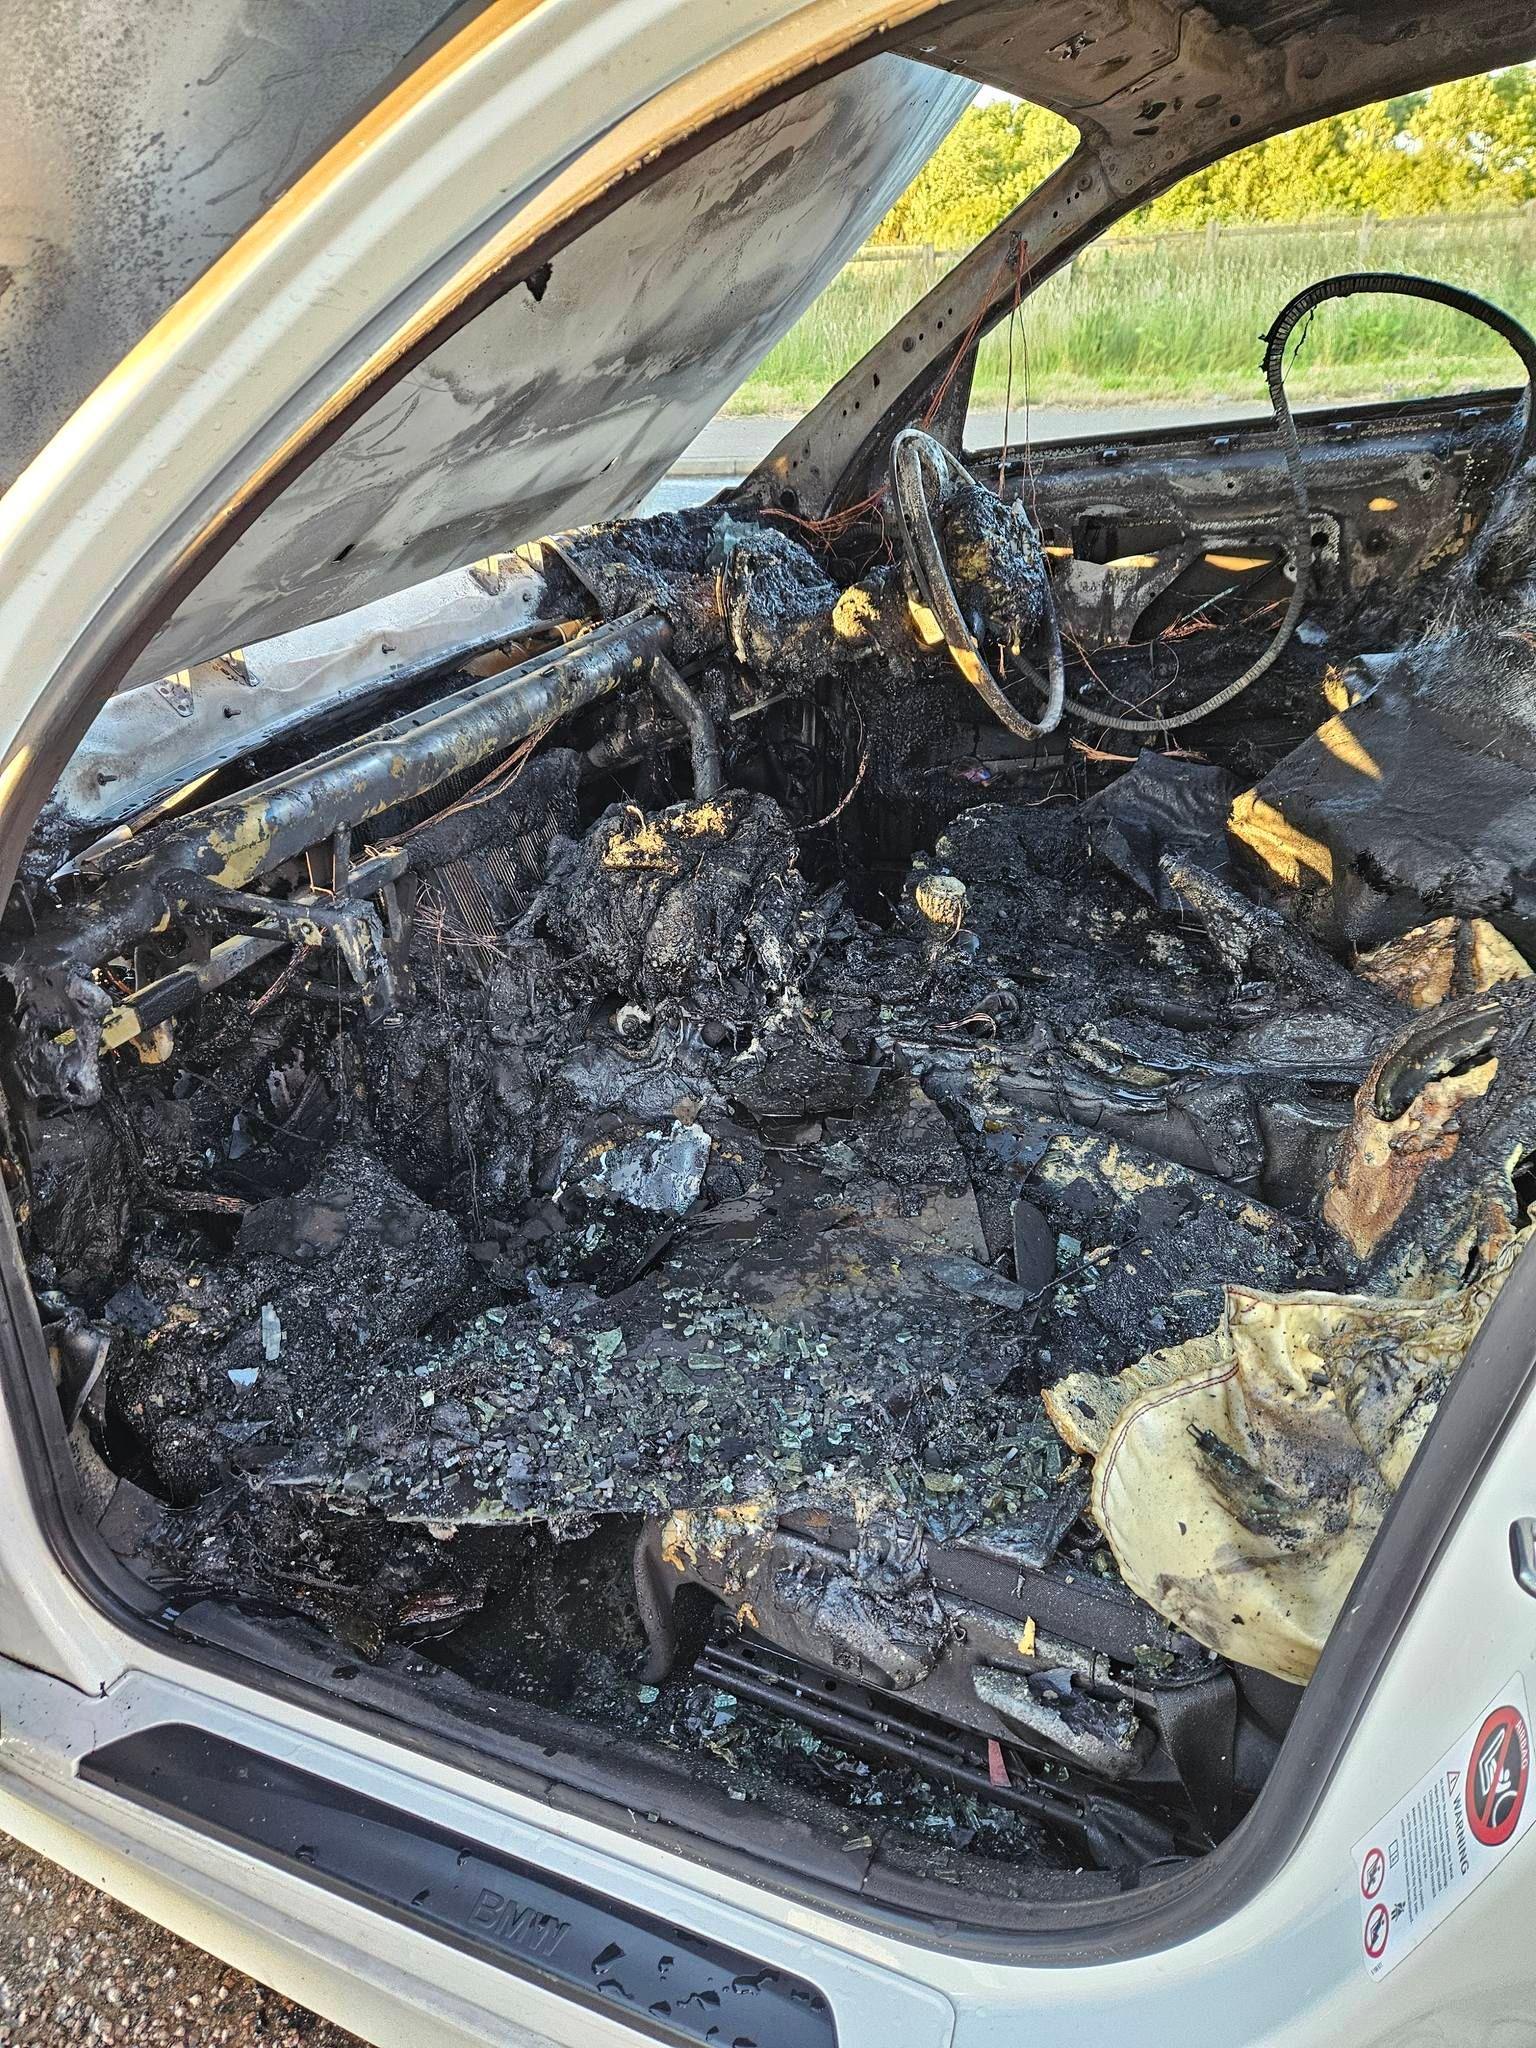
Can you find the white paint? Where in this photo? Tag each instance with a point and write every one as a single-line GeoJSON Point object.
{"type": "Point", "coordinates": [1420, 1862]}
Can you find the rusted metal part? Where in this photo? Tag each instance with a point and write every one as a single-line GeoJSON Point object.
{"type": "Point", "coordinates": [343, 917]}
{"type": "Point", "coordinates": [227, 845]}
{"type": "Point", "coordinates": [341, 914]}
{"type": "Point", "coordinates": [1428, 1185]}
{"type": "Point", "coordinates": [234, 841]}
{"type": "Point", "coordinates": [1399, 489]}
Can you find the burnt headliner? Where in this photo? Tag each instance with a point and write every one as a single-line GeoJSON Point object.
{"type": "Point", "coordinates": [1086, 55]}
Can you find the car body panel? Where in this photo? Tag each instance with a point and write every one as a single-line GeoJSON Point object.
{"type": "Point", "coordinates": [515, 428]}
{"type": "Point", "coordinates": [135, 151]}
{"type": "Point", "coordinates": [138, 159]}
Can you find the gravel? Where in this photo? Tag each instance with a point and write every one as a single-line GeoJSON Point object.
{"type": "Point", "coordinates": [77, 1967]}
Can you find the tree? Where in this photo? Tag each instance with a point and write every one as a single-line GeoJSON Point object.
{"type": "Point", "coordinates": [1459, 148]}
{"type": "Point", "coordinates": [994, 157]}
{"type": "Point", "coordinates": [1467, 145]}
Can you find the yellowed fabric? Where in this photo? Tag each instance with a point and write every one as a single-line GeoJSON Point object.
{"type": "Point", "coordinates": [1085, 1406]}
{"type": "Point", "coordinates": [1381, 1162]}
{"type": "Point", "coordinates": [1241, 1488]}
{"type": "Point", "coordinates": [1453, 956]}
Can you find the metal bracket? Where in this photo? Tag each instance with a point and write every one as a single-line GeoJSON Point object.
{"type": "Point", "coordinates": [177, 692]}
{"type": "Point", "coordinates": [346, 919]}
{"type": "Point", "coordinates": [143, 887]}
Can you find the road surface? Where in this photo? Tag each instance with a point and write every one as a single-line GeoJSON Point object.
{"type": "Point", "coordinates": [75, 1967]}
{"type": "Point", "coordinates": [731, 447]}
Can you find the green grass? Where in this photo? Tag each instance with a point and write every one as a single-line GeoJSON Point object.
{"type": "Point", "coordinates": [1183, 318]}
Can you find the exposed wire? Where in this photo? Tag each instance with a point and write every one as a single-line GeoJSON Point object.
{"type": "Point", "coordinates": [844, 800]}
{"type": "Point", "coordinates": [492, 784]}
{"type": "Point", "coordinates": [1015, 330]}
{"type": "Point", "coordinates": [967, 339]}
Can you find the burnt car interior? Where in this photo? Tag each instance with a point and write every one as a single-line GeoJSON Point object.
{"type": "Point", "coordinates": [631, 1186]}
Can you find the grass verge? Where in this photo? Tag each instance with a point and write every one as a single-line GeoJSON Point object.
{"type": "Point", "coordinates": [1183, 317]}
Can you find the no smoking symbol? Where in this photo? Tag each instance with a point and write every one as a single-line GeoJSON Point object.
{"type": "Point", "coordinates": [1378, 1926]}
{"type": "Point", "coordinates": [1373, 1873]}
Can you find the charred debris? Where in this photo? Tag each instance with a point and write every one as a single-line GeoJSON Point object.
{"type": "Point", "coordinates": [647, 1182]}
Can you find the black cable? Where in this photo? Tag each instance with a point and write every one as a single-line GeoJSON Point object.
{"type": "Point", "coordinates": [1307, 301]}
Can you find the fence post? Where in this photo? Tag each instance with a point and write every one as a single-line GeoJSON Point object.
{"type": "Point", "coordinates": [1212, 236]}
{"type": "Point", "coordinates": [1363, 238]}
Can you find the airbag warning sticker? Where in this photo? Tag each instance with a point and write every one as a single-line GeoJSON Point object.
{"type": "Point", "coordinates": [1440, 1842]}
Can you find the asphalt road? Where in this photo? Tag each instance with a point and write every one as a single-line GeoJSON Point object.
{"type": "Point", "coordinates": [730, 448]}
{"type": "Point", "coordinates": [77, 1967]}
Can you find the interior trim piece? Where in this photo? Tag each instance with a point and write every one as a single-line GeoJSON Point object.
{"type": "Point", "coordinates": [662, 1980]}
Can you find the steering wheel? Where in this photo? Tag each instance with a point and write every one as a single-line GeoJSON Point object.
{"type": "Point", "coordinates": [922, 471]}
